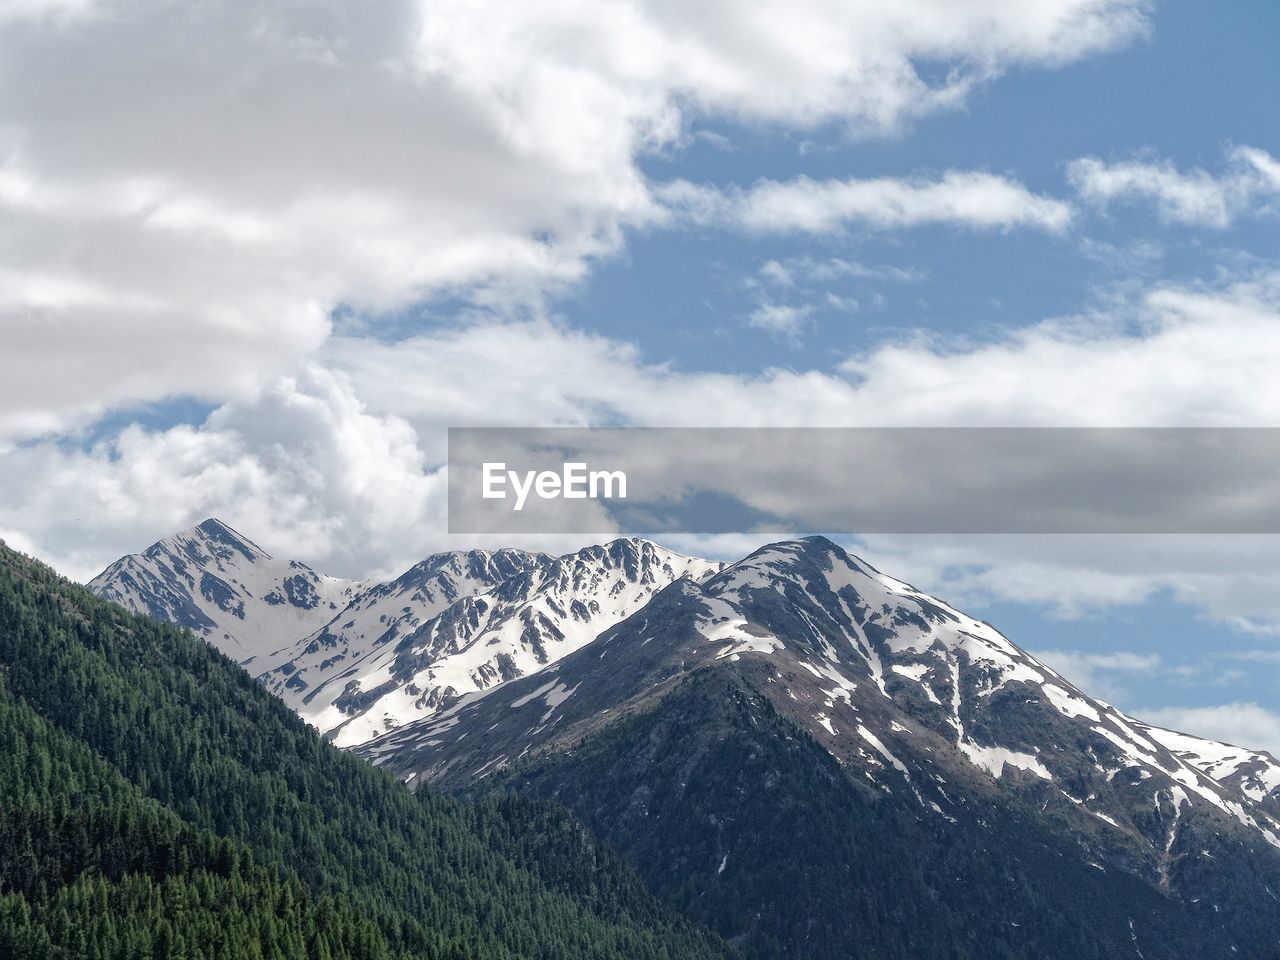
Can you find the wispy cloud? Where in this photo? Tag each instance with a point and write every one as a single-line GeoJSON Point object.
{"type": "Point", "coordinates": [972, 199]}
{"type": "Point", "coordinates": [813, 286]}
{"type": "Point", "coordinates": [1100, 674]}
{"type": "Point", "coordinates": [1271, 657]}
{"type": "Point", "coordinates": [792, 270]}
{"type": "Point", "coordinates": [781, 320]}
{"type": "Point", "coordinates": [1248, 185]}
{"type": "Point", "coordinates": [1241, 724]}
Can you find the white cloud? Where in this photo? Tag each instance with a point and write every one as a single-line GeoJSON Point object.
{"type": "Point", "coordinates": [1245, 725]}
{"type": "Point", "coordinates": [188, 190]}
{"type": "Point", "coordinates": [836, 268]}
{"type": "Point", "coordinates": [16, 11]}
{"type": "Point", "coordinates": [305, 467]}
{"type": "Point", "coordinates": [780, 319]}
{"type": "Point", "coordinates": [1259, 656]}
{"type": "Point", "coordinates": [777, 273]}
{"type": "Point", "coordinates": [1247, 185]}
{"type": "Point", "coordinates": [1099, 674]}
{"type": "Point", "coordinates": [795, 63]}
{"type": "Point", "coordinates": [1232, 580]}
{"type": "Point", "coordinates": [963, 198]}
{"type": "Point", "coordinates": [804, 278]}
{"type": "Point", "coordinates": [1176, 356]}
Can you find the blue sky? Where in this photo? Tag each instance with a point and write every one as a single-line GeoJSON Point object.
{"type": "Point", "coordinates": [1203, 81]}
{"type": "Point", "coordinates": [1160, 653]}
{"type": "Point", "coordinates": [258, 276]}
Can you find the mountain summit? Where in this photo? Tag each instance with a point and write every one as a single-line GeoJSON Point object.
{"type": "Point", "coordinates": [458, 623]}
{"type": "Point", "coordinates": [224, 587]}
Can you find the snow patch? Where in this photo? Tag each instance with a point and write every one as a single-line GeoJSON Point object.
{"type": "Point", "coordinates": [1068, 704]}
{"type": "Point", "coordinates": [995, 759]}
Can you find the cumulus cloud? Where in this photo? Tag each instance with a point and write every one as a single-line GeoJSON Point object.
{"type": "Point", "coordinates": [1245, 725]}
{"type": "Point", "coordinates": [304, 466]}
{"type": "Point", "coordinates": [960, 198]}
{"type": "Point", "coordinates": [795, 63]}
{"type": "Point", "coordinates": [1176, 356]}
{"type": "Point", "coordinates": [1248, 185]}
{"type": "Point", "coordinates": [187, 191]}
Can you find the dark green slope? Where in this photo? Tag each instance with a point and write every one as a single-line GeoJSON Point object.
{"type": "Point", "coordinates": [154, 801]}
{"type": "Point", "coordinates": [739, 819]}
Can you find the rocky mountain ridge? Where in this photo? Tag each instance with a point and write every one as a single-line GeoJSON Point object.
{"type": "Point", "coordinates": [357, 660]}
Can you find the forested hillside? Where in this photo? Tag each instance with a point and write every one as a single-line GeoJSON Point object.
{"type": "Point", "coordinates": [155, 801]}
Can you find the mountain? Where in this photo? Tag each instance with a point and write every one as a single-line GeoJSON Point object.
{"type": "Point", "coordinates": [1255, 773]}
{"type": "Point", "coordinates": [462, 622]}
{"type": "Point", "coordinates": [808, 754]}
{"type": "Point", "coordinates": [356, 660]}
{"type": "Point", "coordinates": [224, 587]}
{"type": "Point", "coordinates": [812, 758]}
{"type": "Point", "coordinates": [156, 802]}
{"type": "Point", "coordinates": [336, 660]}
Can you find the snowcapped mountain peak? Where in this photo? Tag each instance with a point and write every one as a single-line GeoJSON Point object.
{"type": "Point", "coordinates": [220, 584]}
{"type": "Point", "coordinates": [224, 542]}
{"type": "Point", "coordinates": [357, 659]}
{"type": "Point", "coordinates": [820, 578]}
{"type": "Point", "coordinates": [462, 622]}
{"type": "Point", "coordinates": [209, 544]}
{"type": "Point", "coordinates": [634, 560]}
{"type": "Point", "coordinates": [442, 577]}
{"type": "Point", "coordinates": [803, 561]}
{"type": "Point", "coordinates": [638, 550]}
